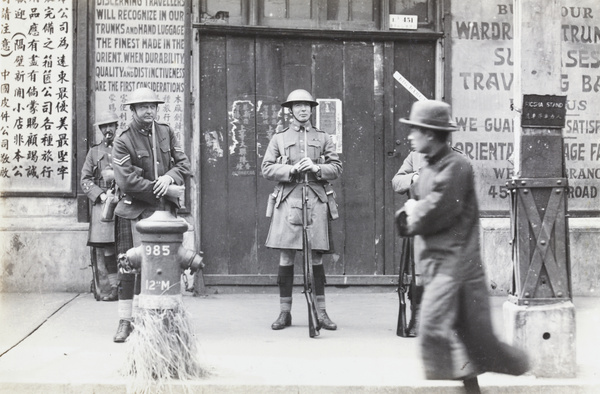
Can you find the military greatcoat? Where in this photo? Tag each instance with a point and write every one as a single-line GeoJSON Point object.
{"type": "Point", "coordinates": [285, 149]}
{"type": "Point", "coordinates": [133, 162]}
{"type": "Point", "coordinates": [456, 334]}
{"type": "Point", "coordinates": [93, 185]}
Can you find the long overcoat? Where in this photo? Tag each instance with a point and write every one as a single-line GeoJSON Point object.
{"type": "Point", "coordinates": [99, 158]}
{"type": "Point", "coordinates": [285, 149]}
{"type": "Point", "coordinates": [133, 162]}
{"type": "Point", "coordinates": [456, 334]}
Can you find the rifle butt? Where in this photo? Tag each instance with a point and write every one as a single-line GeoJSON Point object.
{"type": "Point", "coordinates": [313, 329]}
{"type": "Point", "coordinates": [96, 289]}
{"type": "Point", "coordinates": [401, 329]}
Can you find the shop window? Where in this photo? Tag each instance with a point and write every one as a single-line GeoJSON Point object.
{"type": "Point", "coordinates": [320, 14]}
{"type": "Point", "coordinates": [423, 9]}
{"type": "Point", "coordinates": [315, 14]}
{"type": "Point", "coordinates": [232, 12]}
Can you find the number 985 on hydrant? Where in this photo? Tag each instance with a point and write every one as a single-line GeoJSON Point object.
{"type": "Point", "coordinates": [162, 259]}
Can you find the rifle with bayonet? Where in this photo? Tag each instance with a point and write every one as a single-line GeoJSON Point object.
{"type": "Point", "coordinates": [309, 279]}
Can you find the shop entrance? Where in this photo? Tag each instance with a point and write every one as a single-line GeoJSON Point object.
{"type": "Point", "coordinates": [242, 81]}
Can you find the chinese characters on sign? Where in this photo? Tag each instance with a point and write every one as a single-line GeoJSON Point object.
{"type": "Point", "coordinates": [270, 119]}
{"type": "Point", "coordinates": [329, 119]}
{"type": "Point", "coordinates": [241, 147]}
{"type": "Point", "coordinates": [137, 45]}
{"type": "Point", "coordinates": [36, 132]}
{"type": "Point", "coordinates": [543, 111]}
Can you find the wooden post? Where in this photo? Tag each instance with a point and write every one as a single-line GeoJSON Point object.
{"type": "Point", "coordinates": [540, 316]}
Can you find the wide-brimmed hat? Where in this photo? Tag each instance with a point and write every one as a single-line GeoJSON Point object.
{"type": "Point", "coordinates": [431, 114]}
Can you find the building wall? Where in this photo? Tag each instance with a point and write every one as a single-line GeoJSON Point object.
{"type": "Point", "coordinates": [482, 85]}
{"type": "Point", "coordinates": [43, 242]}
{"type": "Point", "coordinates": [47, 252]}
{"type": "Point", "coordinates": [480, 82]}
{"type": "Point", "coordinates": [43, 247]}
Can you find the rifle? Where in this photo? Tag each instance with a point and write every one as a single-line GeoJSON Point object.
{"type": "Point", "coordinates": [95, 285]}
{"type": "Point", "coordinates": [313, 321]}
{"type": "Point", "coordinates": [406, 260]}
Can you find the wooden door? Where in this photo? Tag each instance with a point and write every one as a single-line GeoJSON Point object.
{"type": "Point", "coordinates": [243, 81]}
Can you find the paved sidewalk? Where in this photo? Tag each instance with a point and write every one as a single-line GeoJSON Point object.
{"type": "Point", "coordinates": [62, 343]}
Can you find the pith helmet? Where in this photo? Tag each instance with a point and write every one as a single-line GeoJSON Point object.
{"type": "Point", "coordinates": [297, 96]}
{"type": "Point", "coordinates": [431, 114]}
{"type": "Point", "coordinates": [143, 95]}
{"type": "Point", "coordinates": [106, 117]}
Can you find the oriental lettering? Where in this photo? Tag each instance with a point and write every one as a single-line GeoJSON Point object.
{"type": "Point", "coordinates": [36, 147]}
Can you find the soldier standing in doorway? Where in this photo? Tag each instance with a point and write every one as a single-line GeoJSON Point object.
{"type": "Point", "coordinates": [293, 153]}
{"type": "Point", "coordinates": [97, 177]}
{"type": "Point", "coordinates": [150, 167]}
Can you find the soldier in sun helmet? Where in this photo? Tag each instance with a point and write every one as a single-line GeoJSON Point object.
{"type": "Point", "coordinates": [301, 153]}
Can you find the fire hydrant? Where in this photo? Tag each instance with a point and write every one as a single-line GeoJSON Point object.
{"type": "Point", "coordinates": [162, 259]}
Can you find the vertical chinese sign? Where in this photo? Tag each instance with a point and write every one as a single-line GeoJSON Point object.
{"type": "Point", "coordinates": [36, 91]}
{"type": "Point", "coordinates": [329, 119]}
{"type": "Point", "coordinates": [269, 120]}
{"type": "Point", "coordinates": [242, 151]}
{"type": "Point", "coordinates": [140, 43]}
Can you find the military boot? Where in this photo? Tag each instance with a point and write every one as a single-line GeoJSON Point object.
{"type": "Point", "coordinates": [284, 320]}
{"type": "Point", "coordinates": [326, 322]}
{"type": "Point", "coordinates": [285, 281]}
{"type": "Point", "coordinates": [125, 328]}
{"type": "Point", "coordinates": [113, 295]}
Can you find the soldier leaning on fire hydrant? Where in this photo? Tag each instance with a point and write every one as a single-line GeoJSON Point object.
{"type": "Point", "coordinates": [150, 167]}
